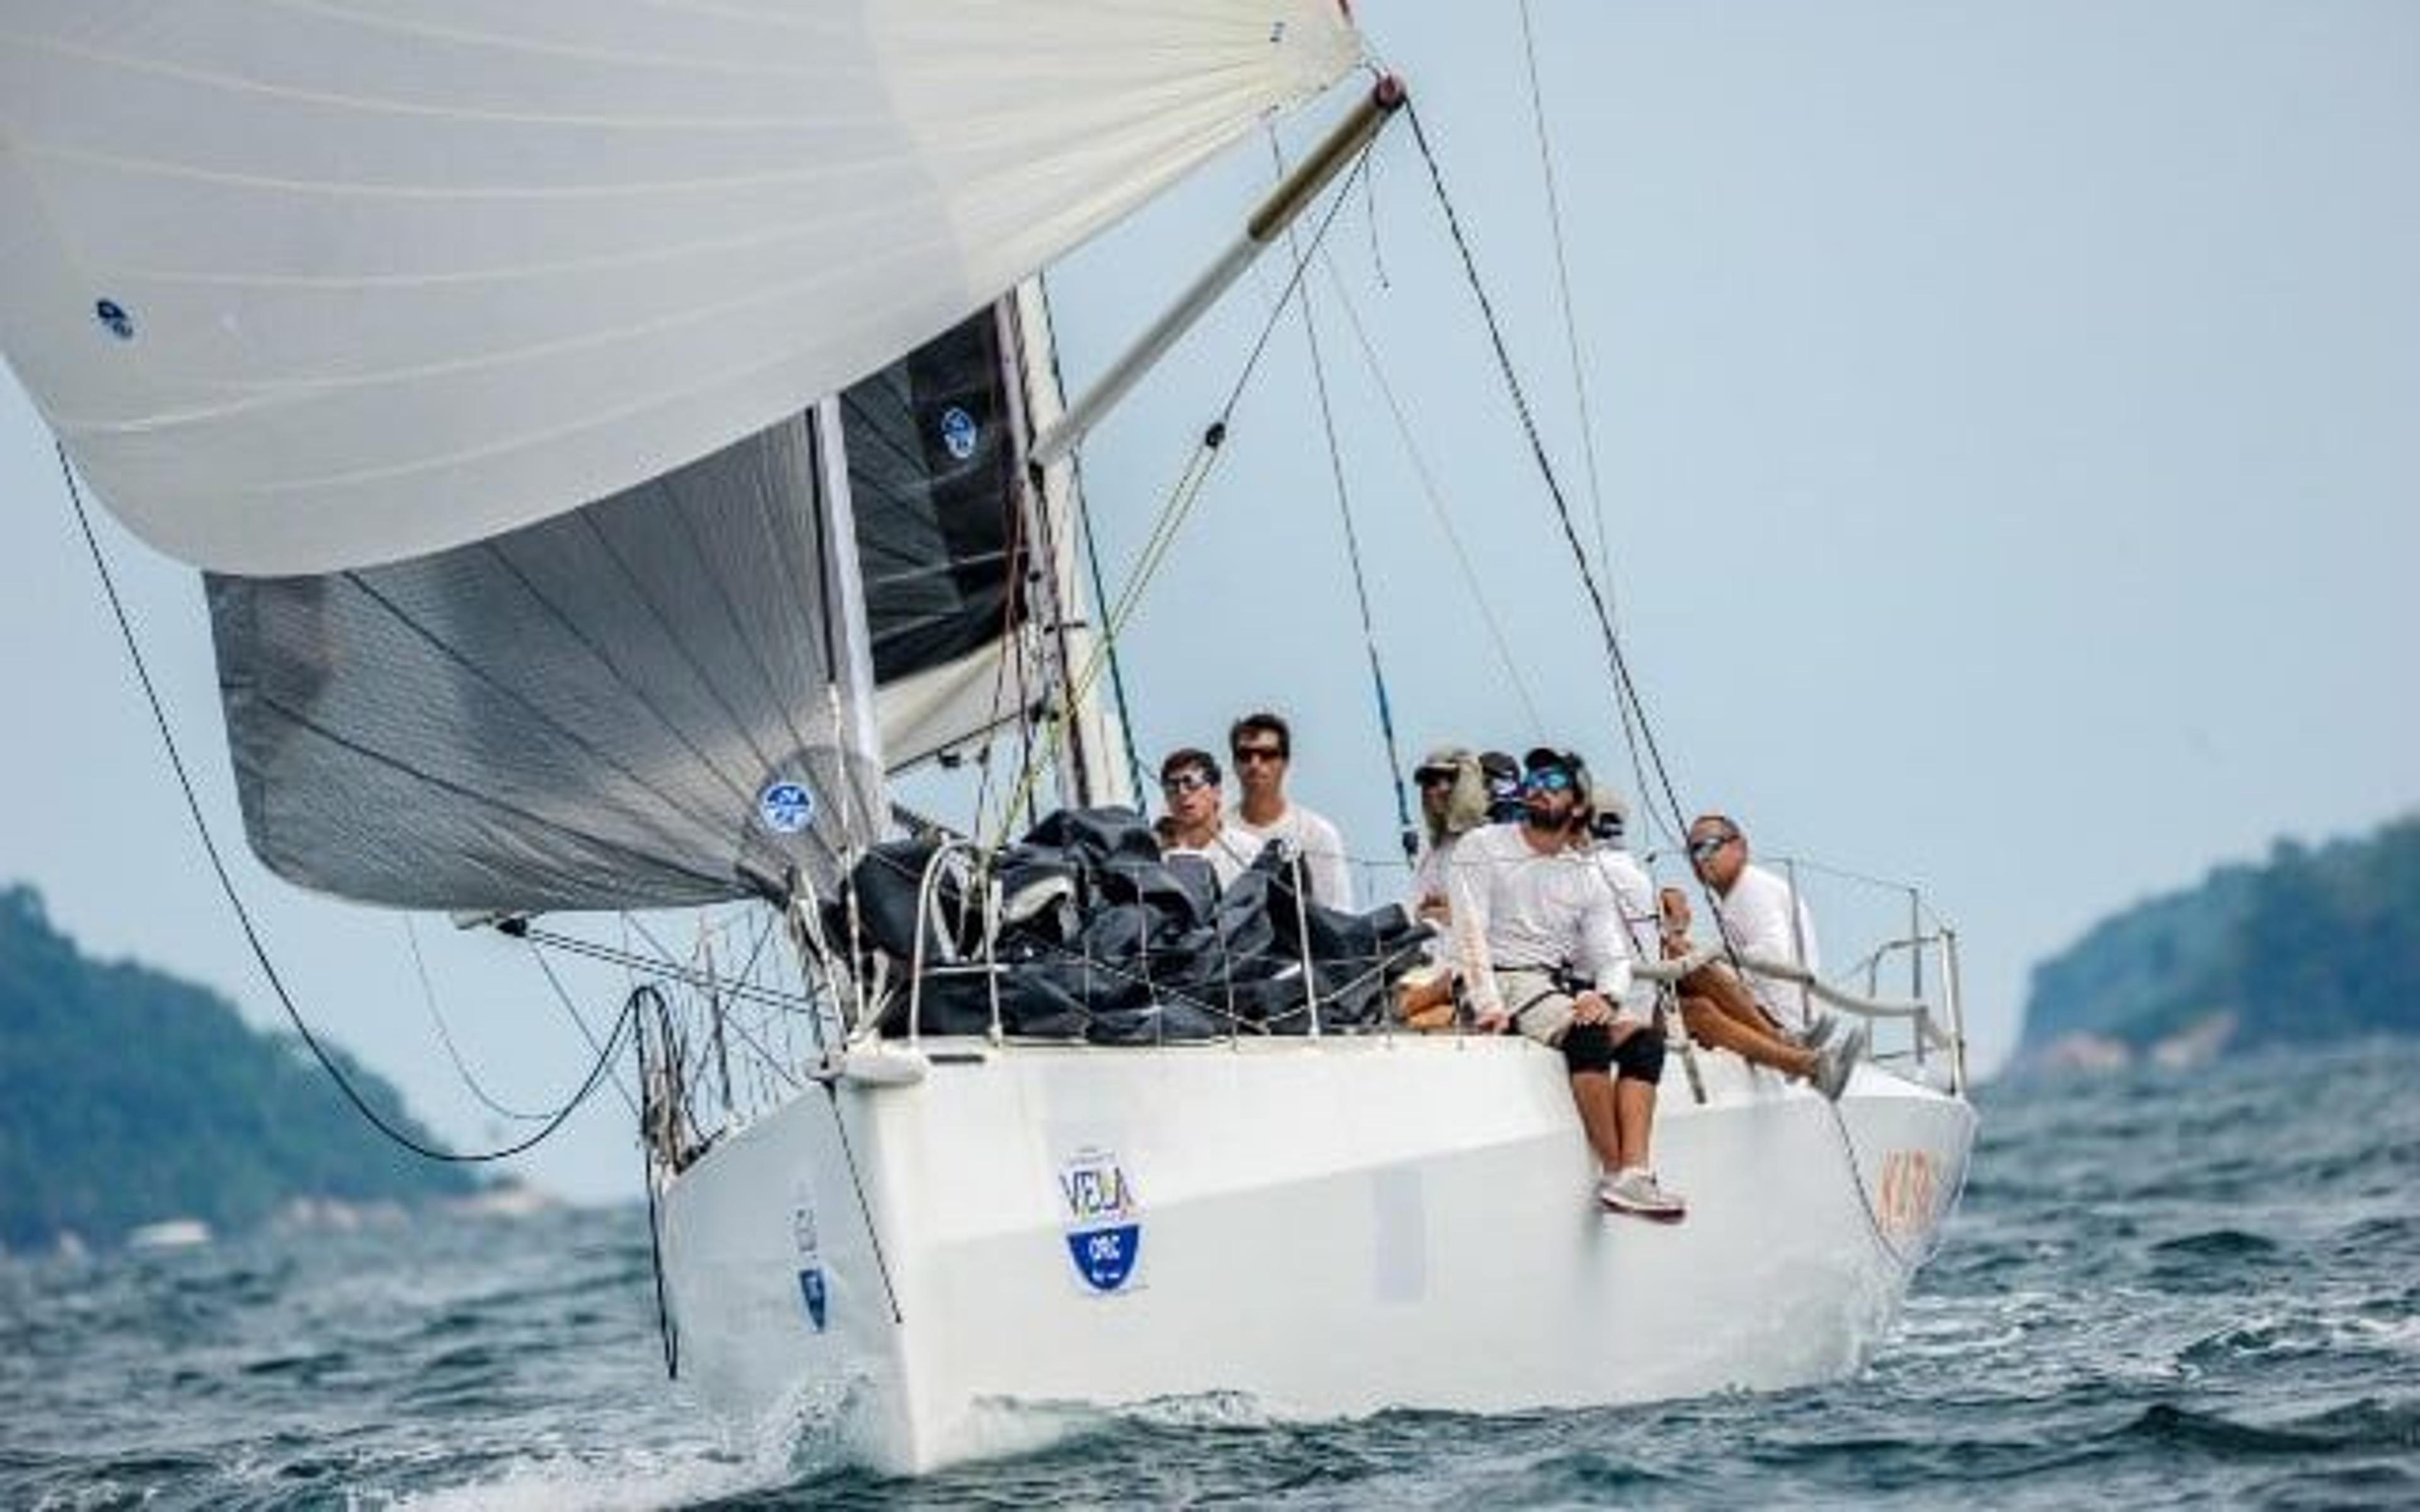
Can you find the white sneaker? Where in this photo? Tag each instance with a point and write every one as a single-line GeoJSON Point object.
{"type": "Point", "coordinates": [1819, 1031]}
{"type": "Point", "coordinates": [1634, 1191]}
{"type": "Point", "coordinates": [1832, 1071]}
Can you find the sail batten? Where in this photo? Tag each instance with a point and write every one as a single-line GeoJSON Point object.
{"type": "Point", "coordinates": [312, 287]}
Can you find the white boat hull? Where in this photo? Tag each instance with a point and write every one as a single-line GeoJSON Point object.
{"type": "Point", "coordinates": [1330, 1227]}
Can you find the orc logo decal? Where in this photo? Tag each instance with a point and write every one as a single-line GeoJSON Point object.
{"type": "Point", "coordinates": [1103, 1226]}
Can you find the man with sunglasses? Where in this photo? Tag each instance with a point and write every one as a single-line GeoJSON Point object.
{"type": "Point", "coordinates": [1539, 940]}
{"type": "Point", "coordinates": [1761, 916]}
{"type": "Point", "coordinates": [1262, 747]}
{"type": "Point", "coordinates": [1189, 782]}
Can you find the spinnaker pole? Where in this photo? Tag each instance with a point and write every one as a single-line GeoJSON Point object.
{"type": "Point", "coordinates": [1267, 224]}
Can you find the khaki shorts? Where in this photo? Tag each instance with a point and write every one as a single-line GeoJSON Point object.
{"type": "Point", "coordinates": [1542, 1009]}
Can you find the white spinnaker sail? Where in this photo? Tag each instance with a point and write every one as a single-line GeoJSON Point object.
{"type": "Point", "coordinates": [315, 284]}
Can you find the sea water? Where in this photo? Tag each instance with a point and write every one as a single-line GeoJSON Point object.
{"type": "Point", "coordinates": [2164, 1287]}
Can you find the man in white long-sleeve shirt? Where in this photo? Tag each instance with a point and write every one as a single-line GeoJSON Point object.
{"type": "Point", "coordinates": [1539, 941]}
{"type": "Point", "coordinates": [1262, 747]}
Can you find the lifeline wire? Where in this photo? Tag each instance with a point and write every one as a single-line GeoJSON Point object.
{"type": "Point", "coordinates": [243, 914]}
{"type": "Point", "coordinates": [446, 1035]}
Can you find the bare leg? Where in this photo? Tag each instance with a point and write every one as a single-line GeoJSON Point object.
{"type": "Point", "coordinates": [1594, 1093]}
{"type": "Point", "coordinates": [1710, 1024]}
{"type": "Point", "coordinates": [1635, 1114]}
{"type": "Point", "coordinates": [1722, 986]}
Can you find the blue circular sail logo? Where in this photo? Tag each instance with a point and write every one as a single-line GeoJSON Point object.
{"type": "Point", "coordinates": [959, 432]}
{"type": "Point", "coordinates": [785, 807]}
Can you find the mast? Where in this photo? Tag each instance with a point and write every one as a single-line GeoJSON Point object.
{"type": "Point", "coordinates": [1094, 769]}
{"type": "Point", "coordinates": [848, 635]}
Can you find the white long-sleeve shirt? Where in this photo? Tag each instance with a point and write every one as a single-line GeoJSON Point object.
{"type": "Point", "coordinates": [1227, 853]}
{"type": "Point", "coordinates": [1764, 918]}
{"type": "Point", "coordinates": [1308, 835]}
{"type": "Point", "coordinates": [1515, 907]}
{"type": "Point", "coordinates": [1635, 891]}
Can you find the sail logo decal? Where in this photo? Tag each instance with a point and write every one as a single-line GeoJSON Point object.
{"type": "Point", "coordinates": [813, 1290]}
{"type": "Point", "coordinates": [1104, 1228]}
{"type": "Point", "coordinates": [785, 807]}
{"type": "Point", "coordinates": [114, 318]}
{"type": "Point", "coordinates": [959, 432]}
{"type": "Point", "coordinates": [1903, 1201]}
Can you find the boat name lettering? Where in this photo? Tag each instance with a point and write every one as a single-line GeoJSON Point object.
{"type": "Point", "coordinates": [1903, 1201]}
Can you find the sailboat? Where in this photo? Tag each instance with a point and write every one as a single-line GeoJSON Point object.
{"type": "Point", "coordinates": [619, 439]}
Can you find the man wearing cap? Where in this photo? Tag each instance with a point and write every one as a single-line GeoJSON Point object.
{"type": "Point", "coordinates": [1503, 775]}
{"type": "Point", "coordinates": [1262, 747]}
{"type": "Point", "coordinates": [1539, 941]}
{"type": "Point", "coordinates": [1453, 802]}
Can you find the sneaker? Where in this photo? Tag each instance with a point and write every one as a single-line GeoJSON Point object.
{"type": "Point", "coordinates": [1835, 1063]}
{"type": "Point", "coordinates": [1819, 1031]}
{"type": "Point", "coordinates": [1635, 1192]}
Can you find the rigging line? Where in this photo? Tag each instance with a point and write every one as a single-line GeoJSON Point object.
{"type": "Point", "coordinates": [1189, 488]}
{"type": "Point", "coordinates": [1563, 300]}
{"type": "Point", "coordinates": [585, 1032]}
{"type": "Point", "coordinates": [1616, 661]}
{"type": "Point", "coordinates": [1865, 1199]}
{"type": "Point", "coordinates": [1579, 372]}
{"type": "Point", "coordinates": [1117, 662]}
{"type": "Point", "coordinates": [670, 970]}
{"type": "Point", "coordinates": [864, 1208]}
{"type": "Point", "coordinates": [1404, 829]}
{"type": "Point", "coordinates": [1012, 649]}
{"type": "Point", "coordinates": [243, 914]}
{"type": "Point", "coordinates": [446, 1035]}
{"type": "Point", "coordinates": [1436, 498]}
{"type": "Point", "coordinates": [1083, 524]}
{"type": "Point", "coordinates": [664, 1329]}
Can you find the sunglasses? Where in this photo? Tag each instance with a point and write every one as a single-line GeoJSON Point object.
{"type": "Point", "coordinates": [1711, 846]}
{"type": "Point", "coordinates": [1185, 782]}
{"type": "Point", "coordinates": [1433, 777]}
{"type": "Point", "coordinates": [1548, 779]}
{"type": "Point", "coordinates": [1248, 754]}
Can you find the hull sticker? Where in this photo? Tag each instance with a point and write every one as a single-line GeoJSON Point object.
{"type": "Point", "coordinates": [1104, 1220]}
{"type": "Point", "coordinates": [814, 1291]}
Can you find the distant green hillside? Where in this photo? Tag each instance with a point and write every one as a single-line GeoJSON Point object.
{"type": "Point", "coordinates": [2313, 944]}
{"type": "Point", "coordinates": [128, 1097]}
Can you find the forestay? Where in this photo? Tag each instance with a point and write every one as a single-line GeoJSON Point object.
{"type": "Point", "coordinates": [615, 708]}
{"type": "Point", "coordinates": [312, 287]}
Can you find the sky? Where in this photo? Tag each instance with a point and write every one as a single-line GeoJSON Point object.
{"type": "Point", "coordinates": [2007, 439]}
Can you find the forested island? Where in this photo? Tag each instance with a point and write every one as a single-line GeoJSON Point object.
{"type": "Point", "coordinates": [130, 1097]}
{"type": "Point", "coordinates": [2312, 944]}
